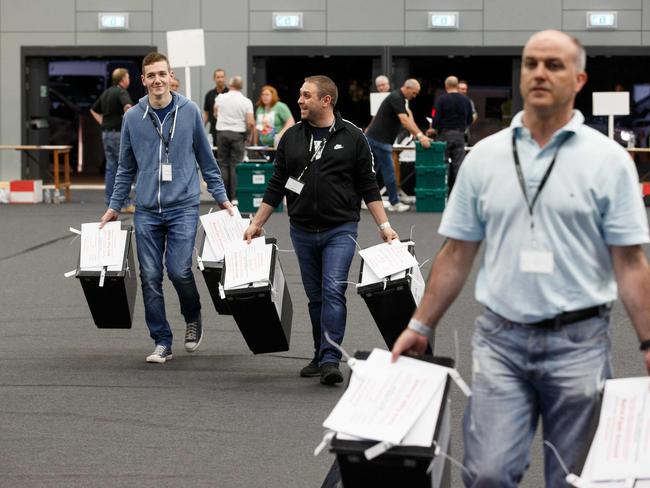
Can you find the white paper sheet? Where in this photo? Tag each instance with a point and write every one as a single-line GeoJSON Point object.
{"type": "Point", "coordinates": [222, 228]}
{"type": "Point", "coordinates": [207, 254]}
{"type": "Point", "coordinates": [417, 285]}
{"type": "Point", "coordinates": [247, 263]}
{"type": "Point", "coordinates": [621, 447]}
{"type": "Point", "coordinates": [386, 259]}
{"type": "Point", "coordinates": [102, 247]}
{"type": "Point", "coordinates": [384, 401]}
{"type": "Point", "coordinates": [421, 434]}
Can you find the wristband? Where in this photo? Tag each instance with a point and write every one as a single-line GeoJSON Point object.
{"type": "Point", "coordinates": [385, 225]}
{"type": "Point", "coordinates": [416, 326]}
{"type": "Point", "coordinates": [417, 136]}
{"type": "Point", "coordinates": [645, 345]}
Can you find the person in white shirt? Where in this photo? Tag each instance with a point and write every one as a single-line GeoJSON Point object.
{"type": "Point", "coordinates": [234, 114]}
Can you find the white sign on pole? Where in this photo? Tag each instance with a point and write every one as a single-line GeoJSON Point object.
{"type": "Point", "coordinates": [186, 48]}
{"type": "Point", "coordinates": [611, 103]}
{"type": "Point", "coordinates": [375, 101]}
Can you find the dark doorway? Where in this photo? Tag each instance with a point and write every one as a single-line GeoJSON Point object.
{"type": "Point", "coordinates": [489, 79]}
{"type": "Point", "coordinates": [62, 86]}
{"type": "Point", "coordinates": [352, 74]}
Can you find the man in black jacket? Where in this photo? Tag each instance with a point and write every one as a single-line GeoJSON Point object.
{"type": "Point", "coordinates": [324, 167]}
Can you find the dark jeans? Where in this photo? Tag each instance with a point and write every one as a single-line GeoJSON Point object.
{"type": "Point", "coordinates": [454, 153]}
{"type": "Point", "coordinates": [231, 152]}
{"type": "Point", "coordinates": [111, 140]}
{"type": "Point", "coordinates": [383, 155]}
{"type": "Point", "coordinates": [170, 234]}
{"type": "Point", "coordinates": [325, 259]}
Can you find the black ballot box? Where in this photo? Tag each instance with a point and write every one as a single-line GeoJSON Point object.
{"type": "Point", "coordinates": [111, 300]}
{"type": "Point", "coordinates": [211, 269]}
{"type": "Point", "coordinates": [263, 311]}
{"type": "Point", "coordinates": [400, 466]}
{"type": "Point", "coordinates": [393, 300]}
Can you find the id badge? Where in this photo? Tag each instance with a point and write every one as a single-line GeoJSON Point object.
{"type": "Point", "coordinates": [535, 261]}
{"type": "Point", "coordinates": [167, 172]}
{"type": "Point", "coordinates": [294, 185]}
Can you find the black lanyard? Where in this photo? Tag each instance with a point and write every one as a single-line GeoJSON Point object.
{"type": "Point", "coordinates": [160, 133]}
{"type": "Point", "coordinates": [317, 152]}
{"type": "Point", "coordinates": [520, 175]}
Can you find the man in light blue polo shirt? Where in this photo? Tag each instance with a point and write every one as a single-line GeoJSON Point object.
{"type": "Point", "coordinates": [559, 209]}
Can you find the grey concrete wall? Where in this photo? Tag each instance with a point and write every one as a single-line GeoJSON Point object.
{"type": "Point", "coordinates": [232, 25]}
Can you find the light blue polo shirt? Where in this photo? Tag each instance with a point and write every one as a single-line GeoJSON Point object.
{"type": "Point", "coordinates": [591, 200]}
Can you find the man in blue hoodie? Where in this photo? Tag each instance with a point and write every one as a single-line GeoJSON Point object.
{"type": "Point", "coordinates": [163, 143]}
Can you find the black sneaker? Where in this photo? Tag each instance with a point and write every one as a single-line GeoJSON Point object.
{"type": "Point", "coordinates": [330, 374]}
{"type": "Point", "coordinates": [311, 370]}
{"type": "Point", "coordinates": [161, 354]}
{"type": "Point", "coordinates": [193, 335]}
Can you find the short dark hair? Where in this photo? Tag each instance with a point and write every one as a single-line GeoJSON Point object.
{"type": "Point", "coordinates": [325, 87]}
{"type": "Point", "coordinates": [154, 57]}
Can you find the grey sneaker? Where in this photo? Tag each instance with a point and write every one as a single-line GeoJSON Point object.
{"type": "Point", "coordinates": [398, 207]}
{"type": "Point", "coordinates": [160, 354]}
{"type": "Point", "coordinates": [330, 374]}
{"type": "Point", "coordinates": [311, 370]}
{"type": "Point", "coordinates": [193, 335]}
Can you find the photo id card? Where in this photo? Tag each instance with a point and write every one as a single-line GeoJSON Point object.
{"type": "Point", "coordinates": [294, 185]}
{"type": "Point", "coordinates": [166, 172]}
{"type": "Point", "coordinates": [534, 261]}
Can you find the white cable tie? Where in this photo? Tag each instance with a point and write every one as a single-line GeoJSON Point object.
{"type": "Point", "coordinates": [439, 452]}
{"type": "Point", "coordinates": [210, 211]}
{"type": "Point", "coordinates": [102, 275]}
{"type": "Point", "coordinates": [75, 231]}
{"type": "Point", "coordinates": [377, 450]}
{"type": "Point", "coordinates": [222, 293]}
{"type": "Point", "coordinates": [385, 283]}
{"type": "Point", "coordinates": [355, 241]}
{"type": "Point", "coordinates": [70, 273]}
{"type": "Point", "coordinates": [286, 250]}
{"type": "Point", "coordinates": [424, 262]}
{"type": "Point", "coordinates": [411, 232]}
{"type": "Point", "coordinates": [327, 439]}
{"type": "Point", "coordinates": [351, 361]}
{"type": "Point", "coordinates": [199, 260]}
{"type": "Point", "coordinates": [577, 481]}
{"type": "Point", "coordinates": [460, 382]}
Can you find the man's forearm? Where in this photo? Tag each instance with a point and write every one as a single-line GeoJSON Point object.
{"type": "Point", "coordinates": [448, 275]}
{"type": "Point", "coordinates": [633, 277]}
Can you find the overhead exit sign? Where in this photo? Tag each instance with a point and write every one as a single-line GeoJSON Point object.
{"type": "Point", "coordinates": [443, 20]}
{"type": "Point", "coordinates": [287, 20]}
{"type": "Point", "coordinates": [602, 20]}
{"type": "Point", "coordinates": [113, 21]}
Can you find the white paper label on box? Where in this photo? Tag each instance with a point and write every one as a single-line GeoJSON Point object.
{"type": "Point", "coordinates": [258, 179]}
{"type": "Point", "coordinates": [257, 201]}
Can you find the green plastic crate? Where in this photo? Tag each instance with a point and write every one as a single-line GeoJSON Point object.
{"type": "Point", "coordinates": [250, 200]}
{"type": "Point", "coordinates": [253, 176]}
{"type": "Point", "coordinates": [431, 177]}
{"type": "Point", "coordinates": [434, 155]}
{"type": "Point", "coordinates": [430, 200]}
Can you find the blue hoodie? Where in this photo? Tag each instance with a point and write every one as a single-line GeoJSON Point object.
{"type": "Point", "coordinates": [141, 153]}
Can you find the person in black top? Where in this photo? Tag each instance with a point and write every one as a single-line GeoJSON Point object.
{"type": "Point", "coordinates": [208, 104]}
{"type": "Point", "coordinates": [453, 115]}
{"type": "Point", "coordinates": [392, 115]}
{"type": "Point", "coordinates": [108, 111]}
{"type": "Point", "coordinates": [324, 167]}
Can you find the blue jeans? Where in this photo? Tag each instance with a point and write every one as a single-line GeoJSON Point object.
{"type": "Point", "coordinates": [383, 154]}
{"type": "Point", "coordinates": [522, 373]}
{"type": "Point", "coordinates": [170, 234]}
{"type": "Point", "coordinates": [325, 259]}
{"type": "Point", "coordinates": [111, 140]}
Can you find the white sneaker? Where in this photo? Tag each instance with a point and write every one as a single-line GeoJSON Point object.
{"type": "Point", "coordinates": [399, 207]}
{"type": "Point", "coordinates": [160, 354]}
